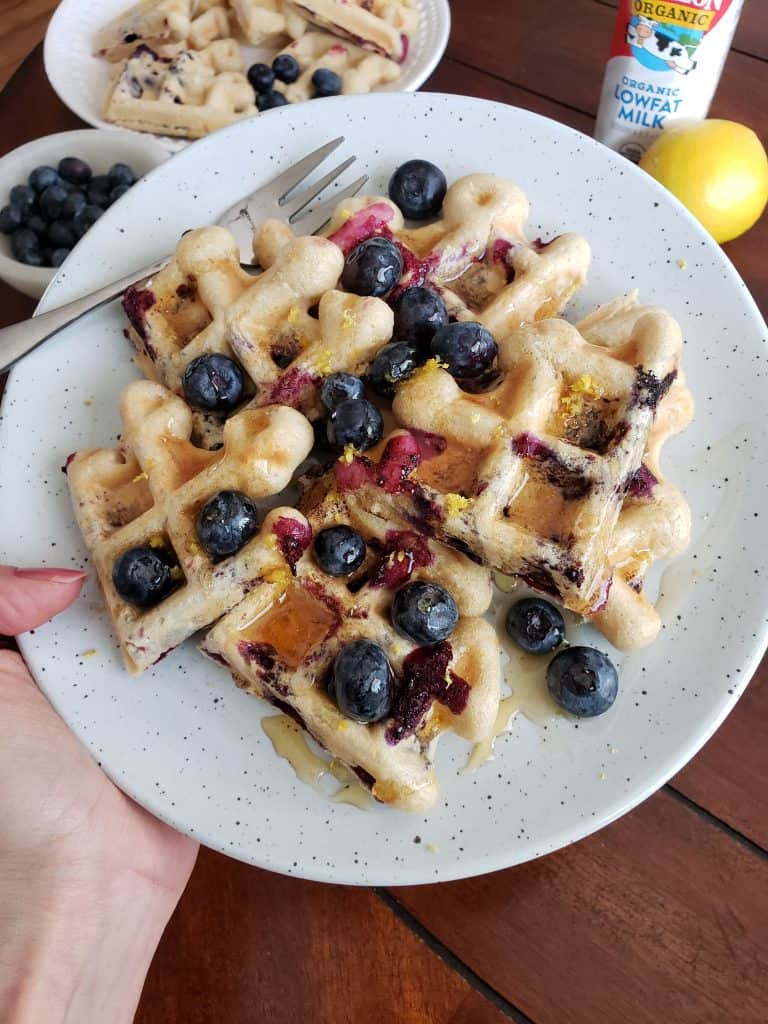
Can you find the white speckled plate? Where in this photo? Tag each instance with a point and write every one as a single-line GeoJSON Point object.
{"type": "Point", "coordinates": [82, 81]}
{"type": "Point", "coordinates": [188, 745]}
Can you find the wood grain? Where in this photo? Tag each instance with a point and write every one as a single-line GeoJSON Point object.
{"type": "Point", "coordinates": [250, 946]}
{"type": "Point", "coordinates": [24, 23]}
{"type": "Point", "coordinates": [661, 917]}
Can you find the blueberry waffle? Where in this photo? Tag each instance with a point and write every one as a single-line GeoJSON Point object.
{"type": "Point", "coordinates": [157, 23]}
{"type": "Point", "coordinates": [655, 521]}
{"type": "Point", "coordinates": [474, 253]}
{"type": "Point", "coordinates": [527, 475]}
{"type": "Point", "coordinates": [384, 26]}
{"type": "Point", "coordinates": [374, 645]}
{"type": "Point", "coordinates": [287, 328]}
{"type": "Point", "coordinates": [187, 95]}
{"type": "Point", "coordinates": [358, 69]}
{"type": "Point", "coordinates": [263, 21]}
{"type": "Point", "coordinates": [173, 530]}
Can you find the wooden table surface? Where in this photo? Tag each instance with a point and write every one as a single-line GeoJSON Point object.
{"type": "Point", "coordinates": [663, 916]}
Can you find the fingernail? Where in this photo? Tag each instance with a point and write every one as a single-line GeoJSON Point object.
{"type": "Point", "coordinates": [51, 575]}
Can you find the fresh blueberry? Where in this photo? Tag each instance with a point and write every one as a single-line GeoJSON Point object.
{"type": "Point", "coordinates": [535, 625]}
{"type": "Point", "coordinates": [326, 83]}
{"type": "Point", "coordinates": [425, 612]}
{"type": "Point", "coordinates": [466, 348]}
{"type": "Point", "coordinates": [85, 218]}
{"type": "Point", "coordinates": [143, 576]}
{"type": "Point", "coordinates": [47, 256]}
{"type": "Point", "coordinates": [286, 68]}
{"type": "Point", "coordinates": [59, 255]}
{"type": "Point", "coordinates": [419, 312]}
{"type": "Point", "coordinates": [52, 200]}
{"type": "Point", "coordinates": [393, 364]}
{"type": "Point", "coordinates": [269, 100]}
{"type": "Point", "coordinates": [120, 174]}
{"type": "Point", "coordinates": [338, 388]}
{"type": "Point", "coordinates": [23, 196]}
{"type": "Point", "coordinates": [98, 191]}
{"type": "Point", "coordinates": [37, 224]}
{"type": "Point", "coordinates": [363, 683]}
{"type": "Point", "coordinates": [418, 188]}
{"type": "Point", "coordinates": [74, 202]}
{"type": "Point", "coordinates": [25, 247]}
{"type": "Point", "coordinates": [261, 77]}
{"type": "Point", "coordinates": [61, 234]}
{"type": "Point", "coordinates": [11, 218]}
{"type": "Point", "coordinates": [339, 550]}
{"type": "Point", "coordinates": [583, 681]}
{"type": "Point", "coordinates": [74, 170]}
{"type": "Point", "coordinates": [117, 192]}
{"type": "Point", "coordinates": [226, 522]}
{"type": "Point", "coordinates": [42, 178]}
{"type": "Point", "coordinates": [356, 422]}
{"type": "Point", "coordinates": [213, 383]}
{"type": "Point", "coordinates": [373, 267]}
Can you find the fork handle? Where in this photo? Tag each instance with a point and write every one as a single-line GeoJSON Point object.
{"type": "Point", "coordinates": [19, 339]}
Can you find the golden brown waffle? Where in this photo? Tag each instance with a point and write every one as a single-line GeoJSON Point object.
{"type": "Point", "coordinates": [204, 302]}
{"type": "Point", "coordinates": [475, 253]}
{"type": "Point", "coordinates": [187, 95]}
{"type": "Point", "coordinates": [528, 475]}
{"type": "Point", "coordinates": [655, 521]}
{"type": "Point", "coordinates": [360, 70]}
{"type": "Point", "coordinates": [280, 642]}
{"type": "Point", "coordinates": [383, 26]}
{"type": "Point", "coordinates": [149, 491]}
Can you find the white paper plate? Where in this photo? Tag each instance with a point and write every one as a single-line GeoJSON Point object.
{"type": "Point", "coordinates": [82, 81]}
{"type": "Point", "coordinates": [188, 745]}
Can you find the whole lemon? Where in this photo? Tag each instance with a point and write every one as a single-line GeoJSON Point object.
{"type": "Point", "coordinates": [718, 169]}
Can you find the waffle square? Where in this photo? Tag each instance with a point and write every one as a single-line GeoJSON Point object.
{"type": "Point", "coordinates": [281, 640]}
{"type": "Point", "coordinates": [155, 22]}
{"type": "Point", "coordinates": [529, 475]}
{"type": "Point", "coordinates": [261, 21]}
{"type": "Point", "coordinates": [187, 95]}
{"type": "Point", "coordinates": [360, 70]}
{"type": "Point", "coordinates": [383, 26]}
{"type": "Point", "coordinates": [203, 302]}
{"type": "Point", "coordinates": [149, 491]}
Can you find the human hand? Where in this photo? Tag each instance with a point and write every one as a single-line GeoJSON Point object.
{"type": "Point", "coordinates": [88, 879]}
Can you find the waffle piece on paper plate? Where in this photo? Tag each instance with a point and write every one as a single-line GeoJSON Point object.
{"type": "Point", "coordinates": [475, 254]}
{"type": "Point", "coordinates": [528, 475]}
{"type": "Point", "coordinates": [148, 493]}
{"type": "Point", "coordinates": [187, 95]}
{"type": "Point", "coordinates": [203, 302]}
{"type": "Point", "coordinates": [360, 70]}
{"type": "Point", "coordinates": [281, 641]}
{"type": "Point", "coordinates": [655, 521]}
{"type": "Point", "coordinates": [384, 26]}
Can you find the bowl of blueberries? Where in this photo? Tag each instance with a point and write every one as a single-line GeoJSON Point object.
{"type": "Point", "coordinates": [53, 189]}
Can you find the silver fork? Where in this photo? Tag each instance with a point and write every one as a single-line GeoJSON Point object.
{"type": "Point", "coordinates": [275, 199]}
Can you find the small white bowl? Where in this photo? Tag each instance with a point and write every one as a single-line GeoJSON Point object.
{"type": "Point", "coordinates": [100, 149]}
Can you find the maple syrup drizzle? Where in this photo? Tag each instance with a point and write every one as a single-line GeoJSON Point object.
{"type": "Point", "coordinates": [290, 742]}
{"type": "Point", "coordinates": [483, 751]}
{"type": "Point", "coordinates": [292, 626]}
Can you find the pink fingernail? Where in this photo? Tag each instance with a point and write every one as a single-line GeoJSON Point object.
{"type": "Point", "coordinates": [51, 575]}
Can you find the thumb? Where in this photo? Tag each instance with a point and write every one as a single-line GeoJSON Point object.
{"type": "Point", "coordinates": [29, 597]}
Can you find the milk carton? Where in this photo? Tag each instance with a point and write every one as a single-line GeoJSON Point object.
{"type": "Point", "coordinates": [665, 63]}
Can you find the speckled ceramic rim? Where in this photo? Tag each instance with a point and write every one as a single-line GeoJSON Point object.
{"type": "Point", "coordinates": [678, 723]}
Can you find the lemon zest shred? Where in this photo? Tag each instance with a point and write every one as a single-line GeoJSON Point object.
{"type": "Point", "coordinates": [455, 504]}
{"type": "Point", "coordinates": [293, 315]}
{"type": "Point", "coordinates": [90, 653]}
{"type": "Point", "coordinates": [139, 476]}
{"type": "Point", "coordinates": [348, 455]}
{"type": "Point", "coordinates": [323, 361]}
